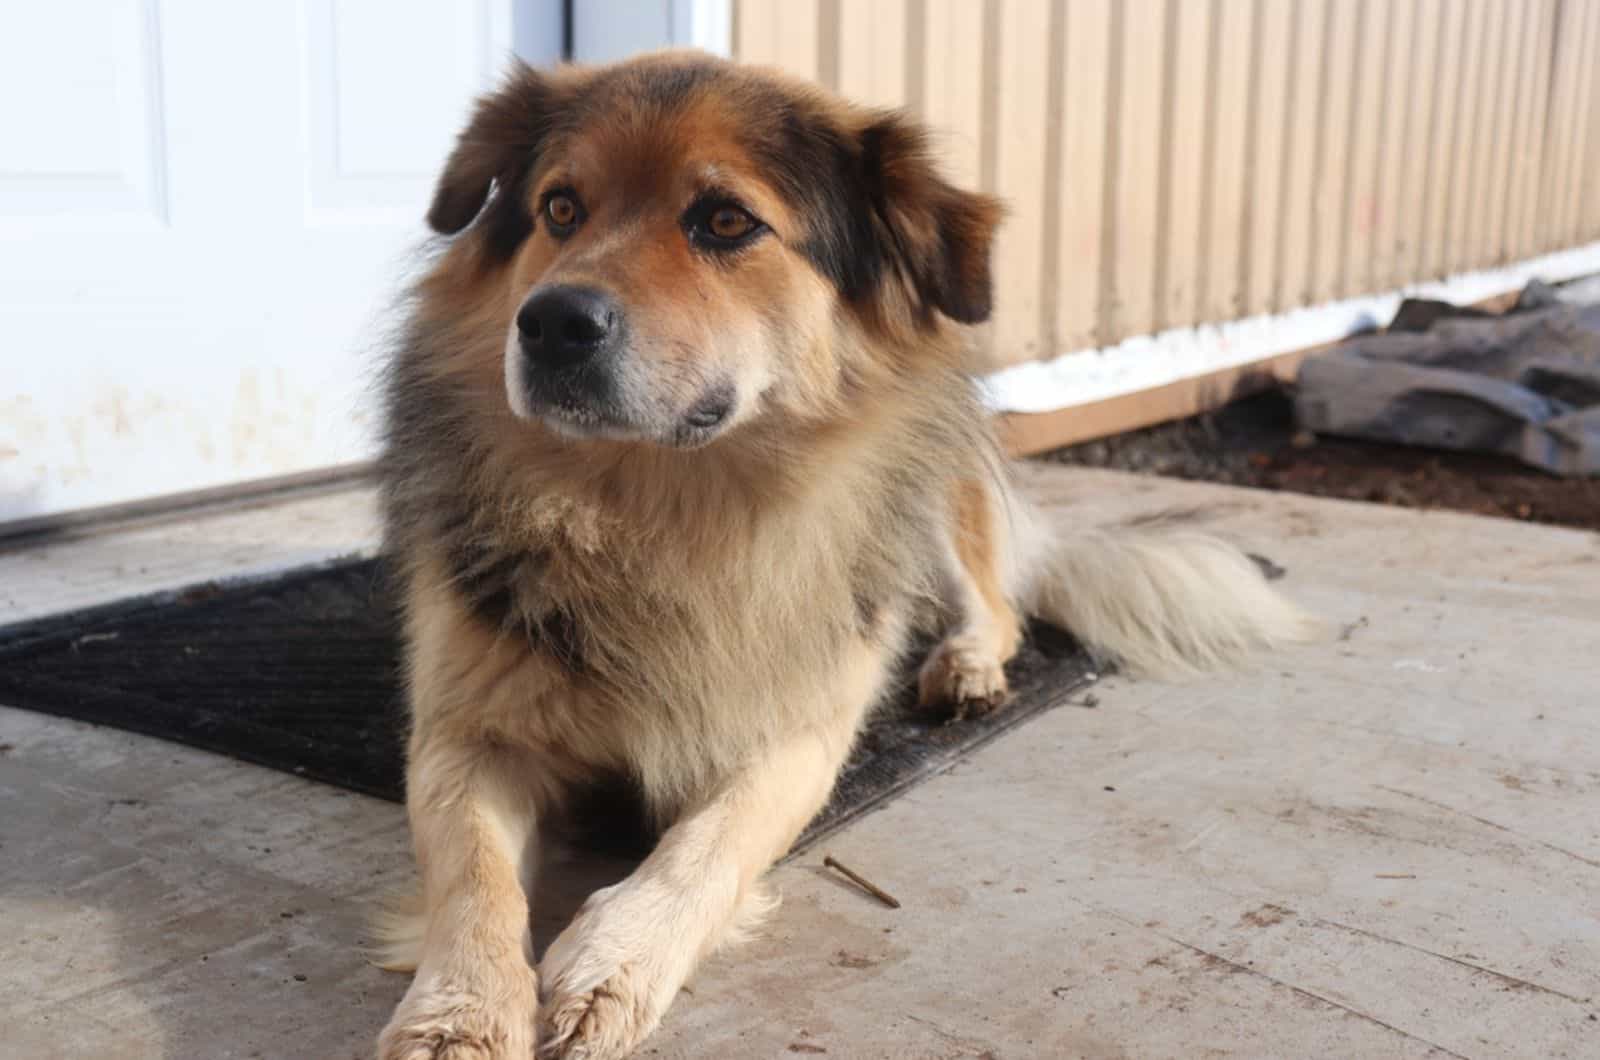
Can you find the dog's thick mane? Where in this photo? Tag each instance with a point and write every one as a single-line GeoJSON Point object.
{"type": "Point", "coordinates": [645, 570]}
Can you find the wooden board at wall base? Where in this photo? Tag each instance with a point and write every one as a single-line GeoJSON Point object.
{"type": "Point", "coordinates": [1027, 433]}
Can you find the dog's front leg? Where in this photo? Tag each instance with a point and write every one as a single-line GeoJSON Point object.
{"type": "Point", "coordinates": [472, 822]}
{"type": "Point", "coordinates": [611, 974]}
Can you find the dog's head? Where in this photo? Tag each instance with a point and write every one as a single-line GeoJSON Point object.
{"type": "Point", "coordinates": [689, 245]}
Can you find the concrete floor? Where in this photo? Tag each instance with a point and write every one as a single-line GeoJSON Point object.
{"type": "Point", "coordinates": [1386, 845]}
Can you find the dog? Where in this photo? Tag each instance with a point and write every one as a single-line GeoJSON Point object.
{"type": "Point", "coordinates": [681, 454]}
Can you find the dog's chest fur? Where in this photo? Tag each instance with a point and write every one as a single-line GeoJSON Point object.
{"type": "Point", "coordinates": [630, 615]}
{"type": "Point", "coordinates": [675, 668]}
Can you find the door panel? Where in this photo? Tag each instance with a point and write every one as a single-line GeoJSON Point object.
{"type": "Point", "coordinates": [94, 151]}
{"type": "Point", "coordinates": [205, 210]}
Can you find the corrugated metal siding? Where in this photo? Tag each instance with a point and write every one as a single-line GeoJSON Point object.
{"type": "Point", "coordinates": [1170, 162]}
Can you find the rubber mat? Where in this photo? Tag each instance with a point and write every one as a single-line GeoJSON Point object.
{"type": "Point", "coordinates": [301, 673]}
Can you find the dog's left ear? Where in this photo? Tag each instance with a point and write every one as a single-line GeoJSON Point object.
{"type": "Point", "coordinates": [937, 236]}
{"type": "Point", "coordinates": [494, 153]}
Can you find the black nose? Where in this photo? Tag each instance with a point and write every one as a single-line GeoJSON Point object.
{"type": "Point", "coordinates": [564, 325]}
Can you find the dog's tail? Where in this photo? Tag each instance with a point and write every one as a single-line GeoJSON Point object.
{"type": "Point", "coordinates": [1161, 601]}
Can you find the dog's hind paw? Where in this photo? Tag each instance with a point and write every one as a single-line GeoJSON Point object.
{"type": "Point", "coordinates": [960, 675]}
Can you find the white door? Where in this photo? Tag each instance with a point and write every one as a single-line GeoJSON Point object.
{"type": "Point", "coordinates": [205, 209]}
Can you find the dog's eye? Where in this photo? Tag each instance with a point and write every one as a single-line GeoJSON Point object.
{"type": "Point", "coordinates": [562, 211]}
{"type": "Point", "coordinates": [720, 224]}
{"type": "Point", "coordinates": [730, 223]}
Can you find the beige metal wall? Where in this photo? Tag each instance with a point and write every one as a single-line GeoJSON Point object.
{"type": "Point", "coordinates": [1170, 162]}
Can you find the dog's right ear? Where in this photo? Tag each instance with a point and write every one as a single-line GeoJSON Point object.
{"type": "Point", "coordinates": [496, 150]}
{"type": "Point", "coordinates": [937, 236]}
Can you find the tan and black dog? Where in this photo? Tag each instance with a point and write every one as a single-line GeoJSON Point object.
{"type": "Point", "coordinates": [680, 455]}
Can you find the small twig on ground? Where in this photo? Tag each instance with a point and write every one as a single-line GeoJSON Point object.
{"type": "Point", "coordinates": [866, 885]}
{"type": "Point", "coordinates": [1394, 876]}
{"type": "Point", "coordinates": [92, 638]}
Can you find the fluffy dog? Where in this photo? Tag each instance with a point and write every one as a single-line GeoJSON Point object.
{"type": "Point", "coordinates": [680, 455]}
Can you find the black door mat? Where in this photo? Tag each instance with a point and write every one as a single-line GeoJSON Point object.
{"type": "Point", "coordinates": [302, 673]}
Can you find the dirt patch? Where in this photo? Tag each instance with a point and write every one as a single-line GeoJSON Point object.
{"type": "Point", "coordinates": [846, 959]}
{"type": "Point", "coordinates": [1253, 443]}
{"type": "Point", "coordinates": [1266, 916]}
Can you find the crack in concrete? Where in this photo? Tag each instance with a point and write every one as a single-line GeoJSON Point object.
{"type": "Point", "coordinates": [1298, 990]}
{"type": "Point", "coordinates": [1574, 855]}
{"type": "Point", "coordinates": [1505, 976]}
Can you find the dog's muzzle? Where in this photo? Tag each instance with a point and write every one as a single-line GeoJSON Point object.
{"type": "Point", "coordinates": [565, 356]}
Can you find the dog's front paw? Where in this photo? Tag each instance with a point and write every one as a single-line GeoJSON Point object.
{"type": "Point", "coordinates": [610, 976]}
{"type": "Point", "coordinates": [440, 1021]}
{"type": "Point", "coordinates": [602, 1023]}
{"type": "Point", "coordinates": [961, 675]}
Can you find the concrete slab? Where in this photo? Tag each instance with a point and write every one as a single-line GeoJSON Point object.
{"type": "Point", "coordinates": [157, 901]}
{"type": "Point", "coordinates": [1388, 845]}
